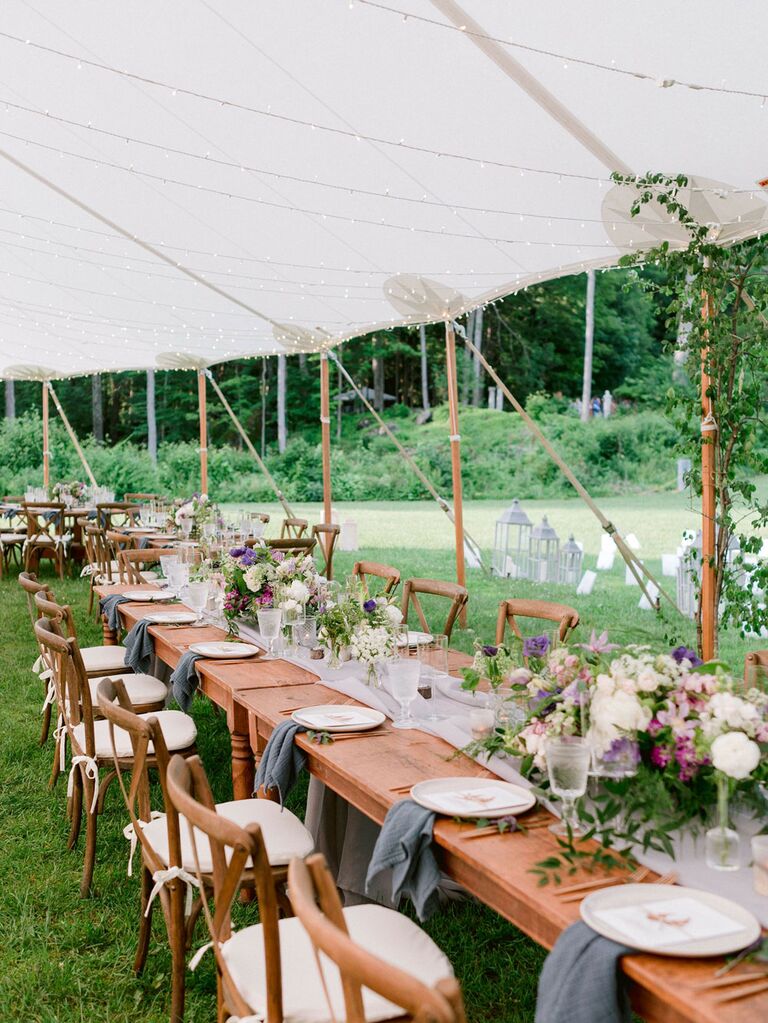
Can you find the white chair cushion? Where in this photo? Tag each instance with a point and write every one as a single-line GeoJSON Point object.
{"type": "Point", "coordinates": [141, 689]}
{"type": "Point", "coordinates": [13, 537]}
{"type": "Point", "coordinates": [178, 731]}
{"type": "Point", "coordinates": [284, 834]}
{"type": "Point", "coordinates": [109, 659]}
{"type": "Point", "coordinates": [383, 932]}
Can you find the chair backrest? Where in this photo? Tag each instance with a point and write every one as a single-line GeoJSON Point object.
{"type": "Point", "coordinates": [315, 901]}
{"type": "Point", "coordinates": [129, 563]}
{"type": "Point", "coordinates": [29, 583]}
{"type": "Point", "coordinates": [73, 694]}
{"type": "Point", "coordinates": [99, 551]}
{"type": "Point", "coordinates": [141, 498]}
{"type": "Point", "coordinates": [326, 534]}
{"type": "Point", "coordinates": [756, 669]}
{"type": "Point", "coordinates": [543, 610]}
{"type": "Point", "coordinates": [44, 519]}
{"type": "Point", "coordinates": [231, 849]}
{"type": "Point", "coordinates": [413, 588]}
{"type": "Point", "coordinates": [48, 607]}
{"type": "Point", "coordinates": [390, 575]}
{"type": "Point", "coordinates": [260, 517]}
{"type": "Point", "coordinates": [294, 528]}
{"type": "Point", "coordinates": [116, 513]}
{"type": "Point", "coordinates": [306, 545]}
{"type": "Point", "coordinates": [146, 734]}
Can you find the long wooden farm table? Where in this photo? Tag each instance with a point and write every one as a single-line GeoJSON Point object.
{"type": "Point", "coordinates": [257, 695]}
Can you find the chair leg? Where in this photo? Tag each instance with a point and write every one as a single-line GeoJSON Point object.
{"type": "Point", "coordinates": [177, 939]}
{"type": "Point", "coordinates": [75, 810]}
{"type": "Point", "coordinates": [90, 839]}
{"type": "Point", "coordinates": [46, 728]}
{"type": "Point", "coordinates": [56, 765]}
{"type": "Point", "coordinates": [145, 922]}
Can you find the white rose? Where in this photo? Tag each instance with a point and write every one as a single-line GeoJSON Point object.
{"type": "Point", "coordinates": [289, 605]}
{"type": "Point", "coordinates": [612, 715]}
{"type": "Point", "coordinates": [732, 710]}
{"type": "Point", "coordinates": [298, 591]}
{"type": "Point", "coordinates": [735, 754]}
{"type": "Point", "coordinates": [394, 614]}
{"type": "Point", "coordinates": [648, 680]}
{"type": "Point", "coordinates": [253, 578]}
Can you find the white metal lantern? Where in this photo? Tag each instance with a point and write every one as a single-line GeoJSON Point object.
{"type": "Point", "coordinates": [688, 576]}
{"type": "Point", "coordinates": [511, 543]}
{"type": "Point", "coordinates": [544, 553]}
{"type": "Point", "coordinates": [571, 556]}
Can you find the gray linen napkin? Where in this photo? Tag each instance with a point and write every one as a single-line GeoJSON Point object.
{"type": "Point", "coordinates": [139, 646]}
{"type": "Point", "coordinates": [184, 680]}
{"type": "Point", "coordinates": [581, 981]}
{"type": "Point", "coordinates": [108, 607]}
{"type": "Point", "coordinates": [403, 862]}
{"type": "Point", "coordinates": [282, 761]}
{"type": "Point", "coordinates": [143, 543]}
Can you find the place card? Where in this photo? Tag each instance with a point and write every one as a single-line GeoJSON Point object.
{"type": "Point", "coordinates": [473, 800]}
{"type": "Point", "coordinates": [668, 921]}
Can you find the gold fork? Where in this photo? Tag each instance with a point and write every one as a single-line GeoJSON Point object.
{"type": "Point", "coordinates": [636, 877]}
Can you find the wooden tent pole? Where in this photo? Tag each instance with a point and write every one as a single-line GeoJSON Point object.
{"type": "Point", "coordinates": [203, 411]}
{"type": "Point", "coordinates": [458, 507]}
{"type": "Point", "coordinates": [46, 451]}
{"type": "Point", "coordinates": [325, 433]}
{"type": "Point", "coordinates": [707, 608]}
{"type": "Point", "coordinates": [72, 436]}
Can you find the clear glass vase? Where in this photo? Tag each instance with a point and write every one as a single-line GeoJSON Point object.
{"type": "Point", "coordinates": [722, 842]}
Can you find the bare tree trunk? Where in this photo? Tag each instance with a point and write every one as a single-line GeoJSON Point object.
{"type": "Point", "coordinates": [97, 406]}
{"type": "Point", "coordinates": [263, 407]}
{"type": "Point", "coordinates": [302, 363]}
{"type": "Point", "coordinates": [589, 333]}
{"type": "Point", "coordinates": [151, 417]}
{"type": "Point", "coordinates": [282, 432]}
{"type": "Point", "coordinates": [378, 382]}
{"type": "Point", "coordinates": [10, 400]}
{"type": "Point", "coordinates": [338, 397]}
{"type": "Point", "coordinates": [477, 389]}
{"type": "Point", "coordinates": [424, 368]}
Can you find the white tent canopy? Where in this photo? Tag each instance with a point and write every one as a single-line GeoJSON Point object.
{"type": "Point", "coordinates": [333, 168]}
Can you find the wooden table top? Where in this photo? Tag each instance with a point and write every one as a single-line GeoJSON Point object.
{"type": "Point", "coordinates": [496, 869]}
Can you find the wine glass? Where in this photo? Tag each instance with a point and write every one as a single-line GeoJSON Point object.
{"type": "Point", "coordinates": [270, 620]}
{"type": "Point", "coordinates": [568, 758]}
{"type": "Point", "coordinates": [197, 598]}
{"type": "Point", "coordinates": [404, 682]}
{"type": "Point", "coordinates": [433, 657]}
{"type": "Point", "coordinates": [178, 577]}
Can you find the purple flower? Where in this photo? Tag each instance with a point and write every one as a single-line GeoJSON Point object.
{"type": "Point", "coordinates": [660, 756]}
{"type": "Point", "coordinates": [238, 552]}
{"type": "Point", "coordinates": [535, 646]}
{"type": "Point", "coordinates": [248, 558]}
{"type": "Point", "coordinates": [490, 651]}
{"type": "Point", "coordinates": [369, 606]}
{"type": "Point", "coordinates": [684, 653]}
{"type": "Point", "coordinates": [278, 556]}
{"type": "Point", "coordinates": [623, 749]}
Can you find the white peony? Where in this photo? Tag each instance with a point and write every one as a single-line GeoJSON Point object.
{"type": "Point", "coordinates": [615, 714]}
{"type": "Point", "coordinates": [298, 591]}
{"type": "Point", "coordinates": [253, 577]}
{"type": "Point", "coordinates": [729, 709]}
{"type": "Point", "coordinates": [394, 614]}
{"type": "Point", "coordinates": [735, 754]}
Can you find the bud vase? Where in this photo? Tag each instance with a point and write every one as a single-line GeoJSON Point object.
{"type": "Point", "coordinates": [722, 842]}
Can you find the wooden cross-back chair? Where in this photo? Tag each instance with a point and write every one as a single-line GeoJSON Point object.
{"type": "Point", "coordinates": [12, 538]}
{"type": "Point", "coordinates": [367, 976]}
{"type": "Point", "coordinates": [305, 545]}
{"type": "Point", "coordinates": [269, 969]}
{"type": "Point", "coordinates": [90, 740]}
{"type": "Point", "coordinates": [391, 576]}
{"type": "Point", "coordinates": [113, 514]}
{"type": "Point", "coordinates": [31, 587]}
{"type": "Point", "coordinates": [293, 528]}
{"type": "Point", "coordinates": [142, 498]}
{"type": "Point", "coordinates": [326, 535]}
{"type": "Point", "coordinates": [413, 589]}
{"type": "Point", "coordinates": [756, 670]}
{"type": "Point", "coordinates": [166, 843]}
{"type": "Point", "coordinates": [47, 536]}
{"type": "Point", "coordinates": [130, 563]}
{"type": "Point", "coordinates": [565, 617]}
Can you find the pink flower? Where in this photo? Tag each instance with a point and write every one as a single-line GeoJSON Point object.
{"type": "Point", "coordinates": [660, 756]}
{"type": "Point", "coordinates": [599, 644]}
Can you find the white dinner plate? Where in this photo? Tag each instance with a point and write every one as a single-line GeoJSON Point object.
{"type": "Point", "coordinates": [149, 596]}
{"type": "Point", "coordinates": [415, 639]}
{"type": "Point", "coordinates": [333, 718]}
{"type": "Point", "coordinates": [171, 618]}
{"type": "Point", "coordinates": [451, 688]}
{"type": "Point", "coordinates": [602, 912]}
{"type": "Point", "coordinates": [135, 529]}
{"type": "Point", "coordinates": [225, 650]}
{"type": "Point", "coordinates": [472, 797]}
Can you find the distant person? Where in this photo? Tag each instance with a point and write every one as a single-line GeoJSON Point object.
{"type": "Point", "coordinates": [597, 407]}
{"type": "Point", "coordinates": [607, 403]}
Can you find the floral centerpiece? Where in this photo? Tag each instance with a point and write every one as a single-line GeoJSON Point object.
{"type": "Point", "coordinates": [69, 491]}
{"type": "Point", "coordinates": [687, 733]}
{"type": "Point", "coordinates": [191, 514]}
{"type": "Point", "coordinates": [360, 626]}
{"type": "Point", "coordinates": [259, 577]}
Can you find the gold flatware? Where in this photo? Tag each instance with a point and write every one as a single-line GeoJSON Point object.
{"type": "Point", "coordinates": [744, 992]}
{"type": "Point", "coordinates": [636, 877]}
{"type": "Point", "coordinates": [600, 882]}
{"type": "Point", "coordinates": [493, 829]}
{"type": "Point", "coordinates": [291, 710]}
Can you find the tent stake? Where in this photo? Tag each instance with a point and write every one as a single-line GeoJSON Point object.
{"type": "Point", "coordinates": [458, 508]}
{"type": "Point", "coordinates": [636, 567]}
{"type": "Point", "coordinates": [423, 479]}
{"type": "Point", "coordinates": [68, 427]}
{"type": "Point", "coordinates": [203, 410]}
{"type": "Point", "coordinates": [46, 452]}
{"type": "Point", "coordinates": [247, 441]}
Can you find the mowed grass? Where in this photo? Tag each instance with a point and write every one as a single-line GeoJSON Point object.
{"type": "Point", "coordinates": [67, 960]}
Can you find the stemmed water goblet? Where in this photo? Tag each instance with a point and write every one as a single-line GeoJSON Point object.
{"type": "Point", "coordinates": [270, 619]}
{"type": "Point", "coordinates": [568, 759]}
{"type": "Point", "coordinates": [197, 598]}
{"type": "Point", "coordinates": [404, 683]}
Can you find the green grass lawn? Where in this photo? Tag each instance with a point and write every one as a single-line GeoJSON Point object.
{"type": "Point", "coordinates": [67, 960]}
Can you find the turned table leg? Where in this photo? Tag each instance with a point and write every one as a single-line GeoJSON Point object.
{"type": "Point", "coordinates": [109, 634]}
{"type": "Point", "coordinates": [243, 774]}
